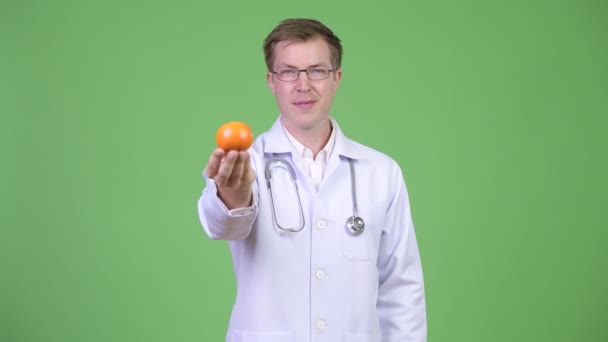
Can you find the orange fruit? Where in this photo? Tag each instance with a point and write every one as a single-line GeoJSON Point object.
{"type": "Point", "coordinates": [234, 135]}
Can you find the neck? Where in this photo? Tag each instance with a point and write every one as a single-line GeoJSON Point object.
{"type": "Point", "coordinates": [314, 138]}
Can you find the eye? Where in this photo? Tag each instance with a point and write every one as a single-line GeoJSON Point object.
{"type": "Point", "coordinates": [317, 71]}
{"type": "Point", "coordinates": [287, 72]}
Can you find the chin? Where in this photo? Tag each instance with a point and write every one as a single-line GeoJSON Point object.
{"type": "Point", "coordinates": [301, 120]}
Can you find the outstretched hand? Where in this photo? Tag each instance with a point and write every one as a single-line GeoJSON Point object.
{"type": "Point", "coordinates": [233, 177]}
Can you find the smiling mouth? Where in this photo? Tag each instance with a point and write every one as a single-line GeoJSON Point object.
{"type": "Point", "coordinates": [304, 104]}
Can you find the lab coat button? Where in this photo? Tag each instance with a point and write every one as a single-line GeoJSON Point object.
{"type": "Point", "coordinates": [321, 324]}
{"type": "Point", "coordinates": [321, 224]}
{"type": "Point", "coordinates": [321, 274]}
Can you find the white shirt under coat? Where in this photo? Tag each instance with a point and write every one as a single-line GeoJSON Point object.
{"type": "Point", "coordinates": [306, 162]}
{"type": "Point", "coordinates": [323, 283]}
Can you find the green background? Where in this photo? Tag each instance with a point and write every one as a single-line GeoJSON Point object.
{"type": "Point", "coordinates": [496, 111]}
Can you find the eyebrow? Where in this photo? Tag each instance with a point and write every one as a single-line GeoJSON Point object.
{"type": "Point", "coordinates": [295, 67]}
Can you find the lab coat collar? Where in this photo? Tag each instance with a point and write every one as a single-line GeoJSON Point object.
{"type": "Point", "coordinates": [276, 141]}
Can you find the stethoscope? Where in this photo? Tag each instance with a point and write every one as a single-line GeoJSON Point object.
{"type": "Point", "coordinates": [355, 224]}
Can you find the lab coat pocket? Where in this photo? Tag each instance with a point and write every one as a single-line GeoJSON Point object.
{"type": "Point", "coordinates": [350, 256]}
{"type": "Point", "coordinates": [362, 338]}
{"type": "Point", "coordinates": [359, 250]}
{"type": "Point", "coordinates": [266, 336]}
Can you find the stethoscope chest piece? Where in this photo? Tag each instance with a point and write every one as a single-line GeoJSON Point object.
{"type": "Point", "coordinates": [355, 225]}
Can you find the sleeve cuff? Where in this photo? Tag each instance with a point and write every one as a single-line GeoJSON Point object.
{"type": "Point", "coordinates": [237, 212]}
{"type": "Point", "coordinates": [241, 211]}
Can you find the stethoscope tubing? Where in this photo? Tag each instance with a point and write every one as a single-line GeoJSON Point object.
{"type": "Point", "coordinates": [268, 176]}
{"type": "Point", "coordinates": [355, 223]}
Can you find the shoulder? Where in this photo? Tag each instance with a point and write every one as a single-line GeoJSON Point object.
{"type": "Point", "coordinates": [366, 154]}
{"type": "Point", "coordinates": [361, 154]}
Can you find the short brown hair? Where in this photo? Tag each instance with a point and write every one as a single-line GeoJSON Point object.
{"type": "Point", "coordinates": [302, 30]}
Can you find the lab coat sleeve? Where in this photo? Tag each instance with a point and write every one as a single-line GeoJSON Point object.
{"type": "Point", "coordinates": [218, 221]}
{"type": "Point", "coordinates": [401, 300]}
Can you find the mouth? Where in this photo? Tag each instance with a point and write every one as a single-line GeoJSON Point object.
{"type": "Point", "coordinates": [304, 104]}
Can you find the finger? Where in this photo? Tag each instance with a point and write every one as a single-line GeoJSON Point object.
{"type": "Point", "coordinates": [237, 171]}
{"type": "Point", "coordinates": [226, 167]}
{"type": "Point", "coordinates": [213, 165]}
{"type": "Point", "coordinates": [248, 173]}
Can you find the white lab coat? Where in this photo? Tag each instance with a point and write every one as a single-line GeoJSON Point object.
{"type": "Point", "coordinates": [323, 283]}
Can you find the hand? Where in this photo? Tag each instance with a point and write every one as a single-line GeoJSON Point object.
{"type": "Point", "coordinates": [233, 177]}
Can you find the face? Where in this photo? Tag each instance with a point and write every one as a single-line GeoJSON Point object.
{"type": "Point", "coordinates": [304, 103]}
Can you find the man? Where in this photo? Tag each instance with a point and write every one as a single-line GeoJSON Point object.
{"type": "Point", "coordinates": [305, 271]}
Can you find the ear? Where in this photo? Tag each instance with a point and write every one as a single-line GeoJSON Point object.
{"type": "Point", "coordinates": [270, 81]}
{"type": "Point", "coordinates": [337, 78]}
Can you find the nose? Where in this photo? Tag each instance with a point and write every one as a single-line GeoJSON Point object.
{"type": "Point", "coordinates": [303, 81]}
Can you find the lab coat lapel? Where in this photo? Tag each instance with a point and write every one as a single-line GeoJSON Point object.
{"type": "Point", "coordinates": [343, 148]}
{"type": "Point", "coordinates": [276, 141]}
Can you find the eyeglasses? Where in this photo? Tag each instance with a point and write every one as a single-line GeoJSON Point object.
{"type": "Point", "coordinates": [314, 73]}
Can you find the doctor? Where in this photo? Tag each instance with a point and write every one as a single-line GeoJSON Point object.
{"type": "Point", "coordinates": [324, 281]}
